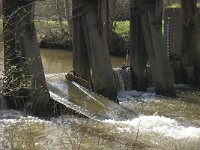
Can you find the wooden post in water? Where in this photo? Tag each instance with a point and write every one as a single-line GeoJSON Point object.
{"type": "Point", "coordinates": [91, 54]}
{"type": "Point", "coordinates": [138, 52]}
{"type": "Point", "coordinates": [148, 45]}
{"type": "Point", "coordinates": [197, 43]}
{"type": "Point", "coordinates": [24, 84]}
{"type": "Point", "coordinates": [189, 8]}
{"type": "Point", "coordinates": [81, 63]}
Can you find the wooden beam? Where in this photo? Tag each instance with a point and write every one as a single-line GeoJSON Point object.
{"type": "Point", "coordinates": [189, 8]}
{"type": "Point", "coordinates": [147, 30]}
{"type": "Point", "coordinates": [197, 52]}
{"type": "Point", "coordinates": [81, 63]}
{"type": "Point", "coordinates": [25, 86]}
{"type": "Point", "coordinates": [91, 14]}
{"type": "Point", "coordinates": [138, 54]}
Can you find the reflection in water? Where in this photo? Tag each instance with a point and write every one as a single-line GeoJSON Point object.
{"type": "Point", "coordinates": [60, 61]}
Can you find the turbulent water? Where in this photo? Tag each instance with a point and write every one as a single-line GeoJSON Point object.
{"type": "Point", "coordinates": [161, 124]}
{"type": "Point", "coordinates": [68, 132]}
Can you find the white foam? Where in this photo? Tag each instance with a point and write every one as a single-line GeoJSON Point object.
{"type": "Point", "coordinates": [166, 127]}
{"type": "Point", "coordinates": [136, 96]}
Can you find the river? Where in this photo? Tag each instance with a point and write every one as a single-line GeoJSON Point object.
{"type": "Point", "coordinates": [162, 124]}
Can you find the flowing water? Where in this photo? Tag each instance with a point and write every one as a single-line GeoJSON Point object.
{"type": "Point", "coordinates": [161, 123]}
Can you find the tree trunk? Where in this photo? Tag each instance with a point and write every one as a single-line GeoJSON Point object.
{"type": "Point", "coordinates": [59, 15]}
{"type": "Point", "coordinates": [111, 13]}
{"type": "Point", "coordinates": [68, 14]}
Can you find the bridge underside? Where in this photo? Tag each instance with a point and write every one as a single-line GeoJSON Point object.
{"type": "Point", "coordinates": [24, 75]}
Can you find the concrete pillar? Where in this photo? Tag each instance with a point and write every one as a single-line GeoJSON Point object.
{"type": "Point", "coordinates": [24, 84]}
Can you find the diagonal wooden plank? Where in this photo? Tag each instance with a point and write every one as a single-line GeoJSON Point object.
{"type": "Point", "coordinates": [85, 101]}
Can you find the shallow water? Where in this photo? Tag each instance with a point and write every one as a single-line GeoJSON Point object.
{"type": "Point", "coordinates": [162, 124]}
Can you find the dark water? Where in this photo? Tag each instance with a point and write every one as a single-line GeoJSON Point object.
{"type": "Point", "coordinates": [162, 124]}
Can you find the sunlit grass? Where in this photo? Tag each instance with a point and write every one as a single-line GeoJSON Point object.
{"type": "Point", "coordinates": [178, 5]}
{"type": "Point", "coordinates": [122, 28]}
{"type": "Point", "coordinates": [43, 26]}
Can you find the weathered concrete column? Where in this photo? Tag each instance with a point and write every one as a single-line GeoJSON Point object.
{"type": "Point", "coordinates": [147, 15]}
{"type": "Point", "coordinates": [91, 14]}
{"type": "Point", "coordinates": [189, 8]}
{"type": "Point", "coordinates": [24, 84]}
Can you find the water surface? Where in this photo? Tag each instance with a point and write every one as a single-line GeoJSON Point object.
{"type": "Point", "coordinates": [162, 124]}
{"type": "Point", "coordinates": [61, 61]}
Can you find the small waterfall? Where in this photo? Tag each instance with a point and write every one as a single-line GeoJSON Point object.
{"type": "Point", "coordinates": [123, 78]}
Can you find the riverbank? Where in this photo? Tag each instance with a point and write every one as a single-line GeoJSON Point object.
{"type": "Point", "coordinates": [56, 35]}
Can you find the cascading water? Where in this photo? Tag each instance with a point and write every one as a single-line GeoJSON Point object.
{"type": "Point", "coordinates": [123, 78]}
{"type": "Point", "coordinates": [163, 124]}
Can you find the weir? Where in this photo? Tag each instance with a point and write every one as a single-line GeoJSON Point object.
{"type": "Point", "coordinates": [123, 78]}
{"type": "Point", "coordinates": [91, 61]}
{"type": "Point", "coordinates": [90, 105]}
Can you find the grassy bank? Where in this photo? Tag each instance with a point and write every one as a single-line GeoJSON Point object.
{"type": "Point", "coordinates": [52, 34]}
{"type": "Point", "coordinates": [44, 26]}
{"type": "Point", "coordinates": [178, 5]}
{"type": "Point", "coordinates": [122, 28]}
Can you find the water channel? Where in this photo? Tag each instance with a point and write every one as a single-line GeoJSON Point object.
{"type": "Point", "coordinates": [162, 124]}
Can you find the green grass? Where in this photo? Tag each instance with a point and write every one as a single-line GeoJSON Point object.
{"type": "Point", "coordinates": [40, 24]}
{"type": "Point", "coordinates": [44, 26]}
{"type": "Point", "coordinates": [178, 5]}
{"type": "Point", "coordinates": [122, 28]}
